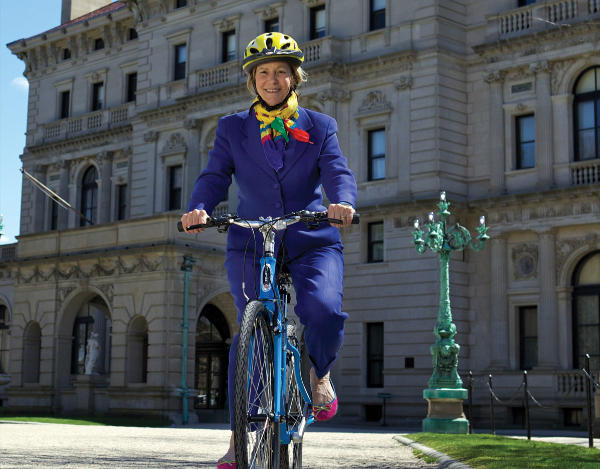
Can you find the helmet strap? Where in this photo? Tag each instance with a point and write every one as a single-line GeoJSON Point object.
{"type": "Point", "coordinates": [277, 106]}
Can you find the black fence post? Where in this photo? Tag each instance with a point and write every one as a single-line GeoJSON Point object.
{"type": "Point", "coordinates": [491, 405]}
{"type": "Point", "coordinates": [588, 393]}
{"type": "Point", "coordinates": [470, 407]}
{"type": "Point", "coordinates": [526, 400]}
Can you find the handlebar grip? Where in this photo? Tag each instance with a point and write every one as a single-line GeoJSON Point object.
{"type": "Point", "coordinates": [194, 227]}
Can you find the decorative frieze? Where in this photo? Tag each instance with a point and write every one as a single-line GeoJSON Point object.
{"type": "Point", "coordinates": [174, 144]}
{"type": "Point", "coordinates": [374, 102]}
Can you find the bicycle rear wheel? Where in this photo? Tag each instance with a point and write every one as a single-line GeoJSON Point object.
{"type": "Point", "coordinates": [256, 433]}
{"type": "Point", "coordinates": [291, 454]}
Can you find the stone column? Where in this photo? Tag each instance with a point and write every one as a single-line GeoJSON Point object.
{"type": "Point", "coordinates": [104, 186]}
{"type": "Point", "coordinates": [544, 159]}
{"type": "Point", "coordinates": [496, 132]}
{"type": "Point", "coordinates": [402, 143]}
{"type": "Point", "coordinates": [193, 161]}
{"type": "Point", "coordinates": [564, 295]}
{"type": "Point", "coordinates": [499, 304]}
{"type": "Point", "coordinates": [548, 356]}
{"type": "Point", "coordinates": [63, 191]}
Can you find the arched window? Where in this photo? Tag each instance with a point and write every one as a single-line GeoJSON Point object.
{"type": "Point", "coordinates": [4, 321]}
{"type": "Point", "coordinates": [586, 114]}
{"type": "Point", "coordinates": [137, 351]}
{"type": "Point", "coordinates": [90, 349]}
{"type": "Point", "coordinates": [586, 311]}
{"type": "Point", "coordinates": [32, 345]}
{"type": "Point", "coordinates": [89, 196]}
{"type": "Point", "coordinates": [212, 357]}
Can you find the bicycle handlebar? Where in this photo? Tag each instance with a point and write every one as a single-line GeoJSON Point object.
{"type": "Point", "coordinates": [305, 216]}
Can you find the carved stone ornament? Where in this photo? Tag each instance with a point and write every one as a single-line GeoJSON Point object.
{"type": "Point", "coordinates": [192, 123]}
{"type": "Point", "coordinates": [150, 136]}
{"type": "Point", "coordinates": [525, 261]}
{"type": "Point", "coordinates": [521, 107]}
{"type": "Point", "coordinates": [336, 95]}
{"type": "Point", "coordinates": [175, 144]}
{"type": "Point", "coordinates": [493, 76]}
{"type": "Point", "coordinates": [404, 82]}
{"type": "Point", "coordinates": [227, 24]}
{"type": "Point", "coordinates": [375, 102]}
{"type": "Point", "coordinates": [540, 67]}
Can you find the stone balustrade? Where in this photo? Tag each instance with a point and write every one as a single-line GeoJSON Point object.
{"type": "Point", "coordinates": [92, 122]}
{"type": "Point", "coordinates": [585, 172]}
{"type": "Point", "coordinates": [542, 15]}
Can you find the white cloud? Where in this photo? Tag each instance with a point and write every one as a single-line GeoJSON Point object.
{"type": "Point", "coordinates": [21, 83]}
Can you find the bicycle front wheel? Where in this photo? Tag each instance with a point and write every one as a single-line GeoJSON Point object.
{"type": "Point", "coordinates": [256, 433]}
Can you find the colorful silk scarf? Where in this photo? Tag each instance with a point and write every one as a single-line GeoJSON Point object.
{"type": "Point", "coordinates": [276, 127]}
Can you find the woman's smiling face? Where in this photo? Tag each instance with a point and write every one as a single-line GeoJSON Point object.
{"type": "Point", "coordinates": [273, 81]}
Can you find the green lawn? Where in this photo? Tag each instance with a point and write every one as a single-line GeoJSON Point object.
{"type": "Point", "coordinates": [114, 421]}
{"type": "Point", "coordinates": [497, 452]}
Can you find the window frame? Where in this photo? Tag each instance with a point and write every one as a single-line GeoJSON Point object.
{"type": "Point", "coordinates": [594, 97]}
{"type": "Point", "coordinates": [180, 68]}
{"type": "Point", "coordinates": [174, 194]}
{"type": "Point", "coordinates": [98, 96]}
{"type": "Point", "coordinates": [130, 96]}
{"type": "Point", "coordinates": [121, 202]}
{"type": "Point", "coordinates": [371, 158]}
{"type": "Point", "coordinates": [525, 362]}
{"type": "Point", "coordinates": [98, 44]}
{"type": "Point", "coordinates": [371, 243]}
{"type": "Point", "coordinates": [225, 36]}
{"type": "Point", "coordinates": [519, 142]}
{"type": "Point", "coordinates": [269, 22]}
{"type": "Point", "coordinates": [375, 358]}
{"type": "Point", "coordinates": [314, 33]}
{"type": "Point", "coordinates": [91, 212]}
{"type": "Point", "coordinates": [64, 111]}
{"type": "Point", "coordinates": [375, 16]}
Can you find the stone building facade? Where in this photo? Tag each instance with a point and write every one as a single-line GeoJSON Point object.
{"type": "Point", "coordinates": [491, 101]}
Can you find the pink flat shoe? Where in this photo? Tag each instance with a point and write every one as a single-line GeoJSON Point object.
{"type": "Point", "coordinates": [226, 464]}
{"type": "Point", "coordinates": [325, 412]}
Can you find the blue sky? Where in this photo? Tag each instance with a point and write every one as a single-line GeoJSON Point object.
{"type": "Point", "coordinates": [18, 20]}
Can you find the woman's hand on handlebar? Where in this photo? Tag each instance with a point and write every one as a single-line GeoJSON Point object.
{"type": "Point", "coordinates": [341, 212]}
{"type": "Point", "coordinates": [195, 217]}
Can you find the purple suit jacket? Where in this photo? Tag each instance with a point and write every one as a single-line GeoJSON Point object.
{"type": "Point", "coordinates": [263, 191]}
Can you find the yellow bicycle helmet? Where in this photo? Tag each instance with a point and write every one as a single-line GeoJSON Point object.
{"type": "Point", "coordinates": [272, 46]}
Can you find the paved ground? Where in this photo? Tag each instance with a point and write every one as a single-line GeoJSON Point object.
{"type": "Point", "coordinates": [37, 445]}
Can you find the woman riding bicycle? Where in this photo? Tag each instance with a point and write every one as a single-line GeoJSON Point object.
{"type": "Point", "coordinates": [280, 155]}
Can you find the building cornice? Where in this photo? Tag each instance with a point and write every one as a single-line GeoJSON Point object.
{"type": "Point", "coordinates": [89, 140]}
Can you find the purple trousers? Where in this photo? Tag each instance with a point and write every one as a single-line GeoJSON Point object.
{"type": "Point", "coordinates": [318, 277]}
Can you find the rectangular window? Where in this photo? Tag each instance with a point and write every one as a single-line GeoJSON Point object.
{"type": "Point", "coordinates": [180, 61]}
{"type": "Point", "coordinates": [180, 3]}
{"type": "Point", "coordinates": [272, 25]}
{"type": "Point", "coordinates": [376, 154]}
{"type": "Point", "coordinates": [317, 22]}
{"type": "Point", "coordinates": [522, 3]}
{"type": "Point", "coordinates": [375, 242]}
{"type": "Point", "coordinates": [525, 136]}
{"type": "Point", "coordinates": [175, 187]}
{"type": "Point", "coordinates": [374, 354]}
{"type": "Point", "coordinates": [53, 215]}
{"type": "Point", "coordinates": [528, 337]}
{"type": "Point", "coordinates": [228, 46]}
{"type": "Point", "coordinates": [131, 86]}
{"type": "Point", "coordinates": [121, 201]}
{"type": "Point", "coordinates": [132, 34]}
{"type": "Point", "coordinates": [377, 14]}
{"type": "Point", "coordinates": [65, 100]}
{"type": "Point", "coordinates": [98, 96]}
{"type": "Point", "coordinates": [66, 54]}
{"type": "Point", "coordinates": [98, 43]}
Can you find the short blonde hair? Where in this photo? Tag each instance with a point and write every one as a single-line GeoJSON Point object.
{"type": "Point", "coordinates": [299, 76]}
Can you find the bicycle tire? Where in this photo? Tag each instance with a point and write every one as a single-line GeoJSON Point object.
{"type": "Point", "coordinates": [257, 438]}
{"type": "Point", "coordinates": [291, 454]}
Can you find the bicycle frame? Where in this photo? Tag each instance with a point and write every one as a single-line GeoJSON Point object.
{"type": "Point", "coordinates": [269, 295]}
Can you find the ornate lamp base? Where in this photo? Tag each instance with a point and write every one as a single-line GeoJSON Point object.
{"type": "Point", "coordinates": [445, 411]}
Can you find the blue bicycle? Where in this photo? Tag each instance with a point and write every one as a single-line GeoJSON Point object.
{"type": "Point", "coordinates": [272, 407]}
